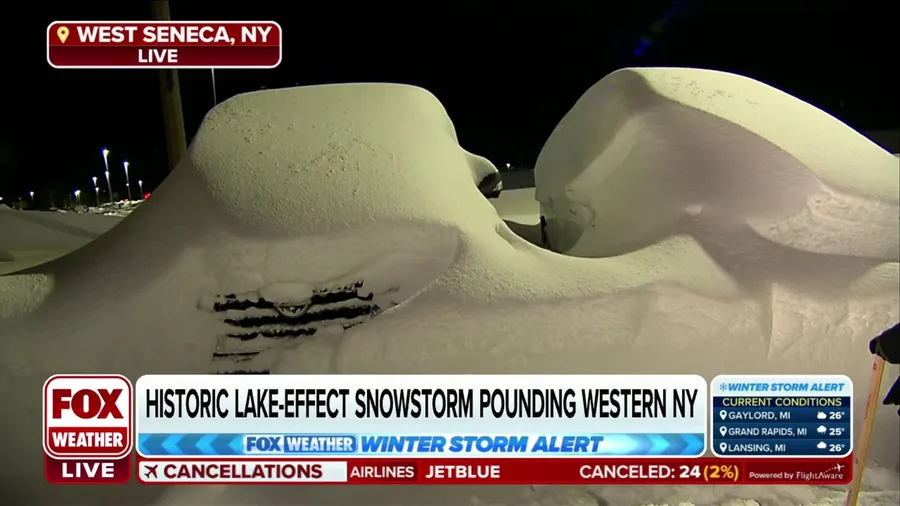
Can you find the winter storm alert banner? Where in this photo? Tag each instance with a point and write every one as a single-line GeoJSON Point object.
{"type": "Point", "coordinates": [164, 44]}
{"type": "Point", "coordinates": [429, 429]}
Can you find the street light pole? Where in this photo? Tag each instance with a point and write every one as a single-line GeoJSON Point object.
{"type": "Point", "coordinates": [96, 190]}
{"type": "Point", "coordinates": [127, 182]}
{"type": "Point", "coordinates": [31, 194]}
{"type": "Point", "coordinates": [78, 197]}
{"type": "Point", "coordinates": [106, 166]}
{"type": "Point", "coordinates": [212, 73]}
{"type": "Point", "coordinates": [141, 188]}
{"type": "Point", "coordinates": [109, 187]}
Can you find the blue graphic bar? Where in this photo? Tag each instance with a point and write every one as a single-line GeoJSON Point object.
{"type": "Point", "coordinates": [273, 445]}
{"type": "Point", "coordinates": [153, 445]}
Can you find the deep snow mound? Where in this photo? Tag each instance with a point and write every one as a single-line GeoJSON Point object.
{"type": "Point", "coordinates": [719, 156]}
{"type": "Point", "coordinates": [340, 229]}
{"type": "Point", "coordinates": [342, 160]}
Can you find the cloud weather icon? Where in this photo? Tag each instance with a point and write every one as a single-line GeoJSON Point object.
{"type": "Point", "coordinates": [821, 445]}
{"type": "Point", "coordinates": [821, 415]}
{"type": "Point", "coordinates": [821, 429]}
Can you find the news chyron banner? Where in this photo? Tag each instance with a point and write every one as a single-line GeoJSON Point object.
{"type": "Point", "coordinates": [164, 44]}
{"type": "Point", "coordinates": [386, 429]}
{"type": "Point", "coordinates": [88, 429]}
{"type": "Point", "coordinates": [426, 429]}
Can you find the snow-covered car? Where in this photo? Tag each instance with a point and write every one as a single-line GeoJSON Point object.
{"type": "Point", "coordinates": [721, 158]}
{"type": "Point", "coordinates": [341, 229]}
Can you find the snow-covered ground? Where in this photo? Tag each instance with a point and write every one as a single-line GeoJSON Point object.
{"type": "Point", "coordinates": [328, 185]}
{"type": "Point", "coordinates": [121, 208]}
{"type": "Point", "coordinates": [29, 238]}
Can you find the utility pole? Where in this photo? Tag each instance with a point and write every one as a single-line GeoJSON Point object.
{"type": "Point", "coordinates": [212, 73]}
{"type": "Point", "coordinates": [170, 93]}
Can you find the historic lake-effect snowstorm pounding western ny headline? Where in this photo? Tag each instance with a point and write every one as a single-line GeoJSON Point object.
{"type": "Point", "coordinates": [164, 44]}
{"type": "Point", "coordinates": [428, 429]}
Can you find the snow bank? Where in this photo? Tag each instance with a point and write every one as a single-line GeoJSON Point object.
{"type": "Point", "coordinates": [44, 230]}
{"type": "Point", "coordinates": [29, 238]}
{"type": "Point", "coordinates": [521, 212]}
{"type": "Point", "coordinates": [796, 495]}
{"type": "Point", "coordinates": [731, 161]}
{"type": "Point", "coordinates": [519, 206]}
{"type": "Point", "coordinates": [351, 189]}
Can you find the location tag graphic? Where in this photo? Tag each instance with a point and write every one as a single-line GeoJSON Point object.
{"type": "Point", "coordinates": [63, 33]}
{"type": "Point", "coordinates": [722, 447]}
{"type": "Point", "coordinates": [723, 430]}
{"type": "Point", "coordinates": [723, 414]}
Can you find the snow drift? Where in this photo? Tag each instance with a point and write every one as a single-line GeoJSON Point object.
{"type": "Point", "coordinates": [734, 163]}
{"type": "Point", "coordinates": [306, 201]}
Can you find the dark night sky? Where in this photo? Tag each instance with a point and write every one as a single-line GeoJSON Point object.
{"type": "Point", "coordinates": [505, 75]}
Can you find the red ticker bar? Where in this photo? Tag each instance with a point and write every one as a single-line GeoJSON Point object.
{"type": "Point", "coordinates": [509, 471]}
{"type": "Point", "coordinates": [169, 44]}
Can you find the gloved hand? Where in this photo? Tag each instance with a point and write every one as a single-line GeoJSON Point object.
{"type": "Point", "coordinates": [887, 345]}
{"type": "Point", "coordinates": [893, 396]}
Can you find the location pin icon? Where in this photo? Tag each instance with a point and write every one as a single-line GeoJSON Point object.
{"type": "Point", "coordinates": [722, 447]}
{"type": "Point", "coordinates": [63, 33]}
{"type": "Point", "coordinates": [723, 430]}
{"type": "Point", "coordinates": [723, 414]}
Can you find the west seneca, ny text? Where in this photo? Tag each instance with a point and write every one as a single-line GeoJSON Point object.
{"type": "Point", "coordinates": [419, 403]}
{"type": "Point", "coordinates": [162, 35]}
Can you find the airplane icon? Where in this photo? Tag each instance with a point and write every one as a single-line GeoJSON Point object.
{"type": "Point", "coordinates": [150, 470]}
{"type": "Point", "coordinates": [836, 468]}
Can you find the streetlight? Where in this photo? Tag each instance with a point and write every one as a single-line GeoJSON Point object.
{"type": "Point", "coordinates": [96, 190]}
{"type": "Point", "coordinates": [141, 188]}
{"type": "Point", "coordinates": [127, 184]}
{"type": "Point", "coordinates": [78, 197]}
{"type": "Point", "coordinates": [31, 194]}
{"type": "Point", "coordinates": [507, 166]}
{"type": "Point", "coordinates": [109, 187]}
{"type": "Point", "coordinates": [106, 166]}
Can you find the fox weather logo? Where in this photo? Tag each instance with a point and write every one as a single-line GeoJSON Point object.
{"type": "Point", "coordinates": [263, 443]}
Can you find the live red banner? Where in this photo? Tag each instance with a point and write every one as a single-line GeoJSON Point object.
{"type": "Point", "coordinates": [504, 471]}
{"type": "Point", "coordinates": [164, 44]}
{"type": "Point", "coordinates": [87, 471]}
